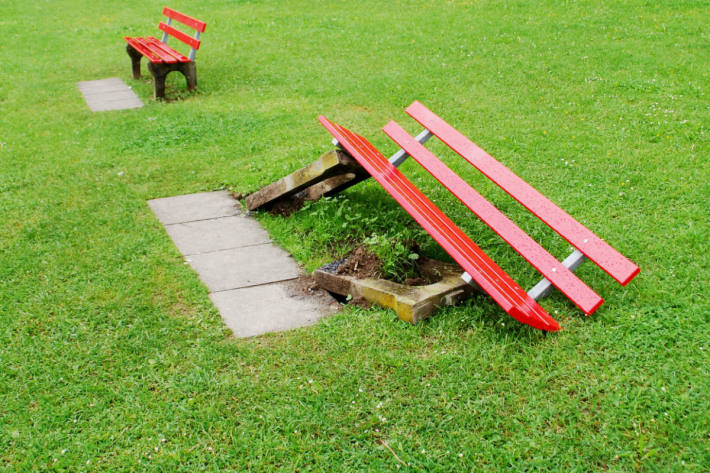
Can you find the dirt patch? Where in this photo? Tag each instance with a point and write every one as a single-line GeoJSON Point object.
{"type": "Point", "coordinates": [305, 287]}
{"type": "Point", "coordinates": [286, 206]}
{"type": "Point", "coordinates": [361, 263]}
{"type": "Point", "coordinates": [306, 284]}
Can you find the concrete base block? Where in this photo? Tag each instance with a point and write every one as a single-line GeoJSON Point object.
{"type": "Point", "coordinates": [411, 303]}
{"type": "Point", "coordinates": [333, 172]}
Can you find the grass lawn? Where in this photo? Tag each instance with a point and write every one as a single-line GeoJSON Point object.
{"type": "Point", "coordinates": [112, 357]}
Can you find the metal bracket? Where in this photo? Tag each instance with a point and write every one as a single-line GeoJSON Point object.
{"type": "Point", "coordinates": [400, 156]}
{"type": "Point", "coordinates": [193, 51]}
{"type": "Point", "coordinates": [164, 39]}
{"type": "Point", "coordinates": [544, 287]}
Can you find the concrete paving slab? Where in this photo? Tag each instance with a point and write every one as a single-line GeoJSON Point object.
{"type": "Point", "coordinates": [108, 94]}
{"type": "Point", "coordinates": [216, 234]}
{"type": "Point", "coordinates": [100, 84]}
{"type": "Point", "coordinates": [256, 286]}
{"type": "Point", "coordinates": [271, 308]}
{"type": "Point", "coordinates": [191, 207]}
{"type": "Point", "coordinates": [105, 106]}
{"type": "Point", "coordinates": [243, 267]}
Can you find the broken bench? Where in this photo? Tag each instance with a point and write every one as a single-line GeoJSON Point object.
{"type": "Point", "coordinates": [478, 267]}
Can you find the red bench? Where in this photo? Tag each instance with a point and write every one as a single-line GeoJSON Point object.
{"type": "Point", "coordinates": [162, 58]}
{"type": "Point", "coordinates": [477, 265]}
{"type": "Point", "coordinates": [489, 276]}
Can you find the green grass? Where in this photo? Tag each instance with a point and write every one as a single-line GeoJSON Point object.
{"type": "Point", "coordinates": [113, 359]}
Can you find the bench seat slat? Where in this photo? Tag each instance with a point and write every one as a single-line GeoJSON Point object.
{"type": "Point", "coordinates": [193, 23]}
{"type": "Point", "coordinates": [489, 276]}
{"type": "Point", "coordinates": [177, 34]}
{"type": "Point", "coordinates": [156, 51]}
{"type": "Point", "coordinates": [596, 249]}
{"type": "Point", "coordinates": [564, 279]}
{"type": "Point", "coordinates": [140, 46]}
{"type": "Point", "coordinates": [166, 50]}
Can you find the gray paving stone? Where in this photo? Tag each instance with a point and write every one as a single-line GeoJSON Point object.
{"type": "Point", "coordinates": [242, 267]}
{"type": "Point", "coordinates": [191, 207]}
{"type": "Point", "coordinates": [271, 308]}
{"type": "Point", "coordinates": [108, 94]}
{"type": "Point", "coordinates": [255, 285]}
{"type": "Point", "coordinates": [222, 233]}
{"type": "Point", "coordinates": [100, 84]}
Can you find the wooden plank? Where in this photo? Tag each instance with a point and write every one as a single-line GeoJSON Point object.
{"type": "Point", "coordinates": [578, 292]}
{"type": "Point", "coordinates": [596, 249]}
{"type": "Point", "coordinates": [166, 50]}
{"type": "Point", "coordinates": [150, 45]}
{"type": "Point", "coordinates": [177, 34]}
{"type": "Point", "coordinates": [140, 46]}
{"type": "Point", "coordinates": [185, 20]}
{"type": "Point", "coordinates": [489, 276]}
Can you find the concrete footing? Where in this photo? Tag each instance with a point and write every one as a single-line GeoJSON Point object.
{"type": "Point", "coordinates": [333, 172]}
{"type": "Point", "coordinates": [411, 303]}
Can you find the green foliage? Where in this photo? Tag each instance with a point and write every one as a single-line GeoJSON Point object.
{"type": "Point", "coordinates": [398, 256]}
{"type": "Point", "coordinates": [112, 357]}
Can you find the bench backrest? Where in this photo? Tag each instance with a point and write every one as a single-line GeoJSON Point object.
{"type": "Point", "coordinates": [167, 29]}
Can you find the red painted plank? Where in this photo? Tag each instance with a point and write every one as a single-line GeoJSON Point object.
{"type": "Point", "coordinates": [185, 20]}
{"type": "Point", "coordinates": [596, 249]}
{"type": "Point", "coordinates": [150, 44]}
{"type": "Point", "coordinates": [487, 274]}
{"type": "Point", "coordinates": [564, 279]}
{"type": "Point", "coordinates": [168, 53]}
{"type": "Point", "coordinates": [177, 34]}
{"type": "Point", "coordinates": [139, 45]}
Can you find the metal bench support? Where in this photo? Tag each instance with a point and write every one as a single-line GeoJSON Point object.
{"type": "Point", "coordinates": [544, 287]}
{"type": "Point", "coordinates": [400, 156]}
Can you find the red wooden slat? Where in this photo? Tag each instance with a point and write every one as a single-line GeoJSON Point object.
{"type": "Point", "coordinates": [564, 279]}
{"type": "Point", "coordinates": [166, 50]}
{"type": "Point", "coordinates": [606, 257]}
{"type": "Point", "coordinates": [154, 46]}
{"type": "Point", "coordinates": [489, 276]}
{"type": "Point", "coordinates": [140, 46]}
{"type": "Point", "coordinates": [150, 45]}
{"type": "Point", "coordinates": [177, 34]}
{"type": "Point", "coordinates": [185, 20]}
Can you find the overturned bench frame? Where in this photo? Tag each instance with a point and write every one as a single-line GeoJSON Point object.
{"type": "Point", "coordinates": [478, 267]}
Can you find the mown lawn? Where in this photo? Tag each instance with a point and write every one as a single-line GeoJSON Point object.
{"type": "Point", "coordinates": [112, 357]}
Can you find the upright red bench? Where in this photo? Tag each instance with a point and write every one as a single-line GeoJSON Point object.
{"type": "Point", "coordinates": [162, 58]}
{"type": "Point", "coordinates": [479, 268]}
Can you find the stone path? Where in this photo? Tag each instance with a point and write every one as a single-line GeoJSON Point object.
{"type": "Point", "coordinates": [108, 94]}
{"type": "Point", "coordinates": [254, 284]}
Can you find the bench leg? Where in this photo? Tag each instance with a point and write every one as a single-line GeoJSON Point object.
{"type": "Point", "coordinates": [135, 61]}
{"type": "Point", "coordinates": [159, 72]}
{"type": "Point", "coordinates": [190, 72]}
